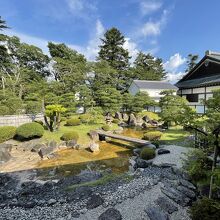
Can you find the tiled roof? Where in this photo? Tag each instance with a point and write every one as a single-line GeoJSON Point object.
{"type": "Point", "coordinates": [145, 84]}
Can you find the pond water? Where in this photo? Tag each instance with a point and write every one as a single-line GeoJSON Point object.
{"type": "Point", "coordinates": [113, 154]}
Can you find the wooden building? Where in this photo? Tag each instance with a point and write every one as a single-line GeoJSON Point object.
{"type": "Point", "coordinates": [199, 83]}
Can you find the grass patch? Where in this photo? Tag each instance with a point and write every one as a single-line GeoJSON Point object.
{"type": "Point", "coordinates": [82, 130]}
{"type": "Point", "coordinates": [102, 181]}
{"type": "Point", "coordinates": [175, 135]}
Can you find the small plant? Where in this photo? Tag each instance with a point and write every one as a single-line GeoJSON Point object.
{"type": "Point", "coordinates": [205, 209]}
{"type": "Point", "coordinates": [73, 122]}
{"type": "Point", "coordinates": [29, 131]}
{"type": "Point", "coordinates": [7, 132]}
{"type": "Point", "coordinates": [116, 121]}
{"type": "Point", "coordinates": [106, 128]}
{"type": "Point", "coordinates": [156, 143]}
{"type": "Point", "coordinates": [152, 135]}
{"type": "Point", "coordinates": [147, 153]}
{"type": "Point", "coordinates": [68, 136]}
{"type": "Point", "coordinates": [85, 118]}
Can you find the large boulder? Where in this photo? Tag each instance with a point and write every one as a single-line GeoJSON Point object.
{"type": "Point", "coordinates": [44, 151]}
{"type": "Point", "coordinates": [156, 214]}
{"type": "Point", "coordinates": [132, 120]}
{"type": "Point", "coordinates": [94, 201]}
{"type": "Point", "coordinates": [110, 214]}
{"type": "Point", "coordinates": [94, 135]}
{"type": "Point", "coordinates": [125, 117]}
{"type": "Point", "coordinates": [5, 150]}
{"type": "Point", "coordinates": [119, 130]}
{"type": "Point", "coordinates": [94, 147]}
{"type": "Point", "coordinates": [118, 116]}
{"type": "Point", "coordinates": [140, 163]}
{"type": "Point", "coordinates": [37, 147]}
{"type": "Point", "coordinates": [166, 205]}
{"type": "Point", "coordinates": [71, 143]}
{"type": "Point", "coordinates": [139, 121]}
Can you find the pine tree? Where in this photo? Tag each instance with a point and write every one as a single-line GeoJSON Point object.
{"type": "Point", "coordinates": [191, 61]}
{"type": "Point", "coordinates": [147, 67]}
{"type": "Point", "coordinates": [113, 52]}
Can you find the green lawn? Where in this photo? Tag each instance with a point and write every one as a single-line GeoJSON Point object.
{"type": "Point", "coordinates": [82, 130]}
{"type": "Point", "coordinates": [175, 135]}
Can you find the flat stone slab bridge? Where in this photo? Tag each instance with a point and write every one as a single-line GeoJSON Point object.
{"type": "Point", "coordinates": [103, 134]}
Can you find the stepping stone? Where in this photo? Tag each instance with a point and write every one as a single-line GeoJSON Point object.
{"type": "Point", "coordinates": [156, 214]}
{"type": "Point", "coordinates": [166, 205]}
{"type": "Point", "coordinates": [110, 214]}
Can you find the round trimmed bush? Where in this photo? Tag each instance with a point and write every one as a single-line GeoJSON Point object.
{"type": "Point", "coordinates": [73, 122]}
{"type": "Point", "coordinates": [85, 118]}
{"type": "Point", "coordinates": [68, 136]}
{"type": "Point", "coordinates": [7, 133]}
{"type": "Point", "coordinates": [116, 121]}
{"type": "Point", "coordinates": [152, 135]}
{"type": "Point", "coordinates": [147, 153]}
{"type": "Point", "coordinates": [29, 131]}
{"type": "Point", "coordinates": [106, 127]}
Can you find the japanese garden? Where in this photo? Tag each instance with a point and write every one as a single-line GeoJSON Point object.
{"type": "Point", "coordinates": [82, 139]}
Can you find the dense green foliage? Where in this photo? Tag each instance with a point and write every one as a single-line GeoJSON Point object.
{"type": "Point", "coordinates": [6, 133]}
{"type": "Point", "coordinates": [205, 209]}
{"type": "Point", "coordinates": [68, 136]}
{"type": "Point", "coordinates": [191, 62]}
{"type": "Point", "coordinates": [152, 135]}
{"type": "Point", "coordinates": [147, 153]}
{"type": "Point", "coordinates": [73, 122]}
{"type": "Point", "coordinates": [29, 131]}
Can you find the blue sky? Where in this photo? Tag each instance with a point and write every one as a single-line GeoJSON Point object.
{"type": "Point", "coordinates": [170, 29]}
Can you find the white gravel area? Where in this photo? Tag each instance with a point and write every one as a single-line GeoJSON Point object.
{"type": "Point", "coordinates": [175, 157]}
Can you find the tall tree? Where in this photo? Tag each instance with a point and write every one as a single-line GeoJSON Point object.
{"type": "Point", "coordinates": [191, 61]}
{"type": "Point", "coordinates": [112, 50]}
{"type": "Point", "coordinates": [3, 24]}
{"type": "Point", "coordinates": [147, 67]}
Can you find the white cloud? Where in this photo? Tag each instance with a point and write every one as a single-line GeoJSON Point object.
{"type": "Point", "coordinates": [174, 77]}
{"type": "Point", "coordinates": [81, 8]}
{"type": "Point", "coordinates": [174, 63]}
{"type": "Point", "coordinates": [172, 67]}
{"type": "Point", "coordinates": [132, 48]}
{"type": "Point", "coordinates": [149, 6]}
{"type": "Point", "coordinates": [36, 41]}
{"type": "Point", "coordinates": [151, 28]}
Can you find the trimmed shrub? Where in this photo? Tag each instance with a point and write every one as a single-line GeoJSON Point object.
{"type": "Point", "coordinates": [68, 136]}
{"type": "Point", "coordinates": [73, 122]}
{"type": "Point", "coordinates": [29, 131]}
{"type": "Point", "coordinates": [7, 132]}
{"type": "Point", "coordinates": [39, 122]}
{"type": "Point", "coordinates": [85, 118]}
{"type": "Point", "coordinates": [156, 143]}
{"type": "Point", "coordinates": [147, 153]}
{"type": "Point", "coordinates": [152, 135]}
{"type": "Point", "coordinates": [205, 209]}
{"type": "Point", "coordinates": [106, 127]}
{"type": "Point", "coordinates": [116, 121]}
{"type": "Point", "coordinates": [62, 119]}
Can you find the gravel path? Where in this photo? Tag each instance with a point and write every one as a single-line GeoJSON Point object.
{"type": "Point", "coordinates": [165, 189]}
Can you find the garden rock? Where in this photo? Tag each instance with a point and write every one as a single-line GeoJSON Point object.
{"type": "Point", "coordinates": [94, 202]}
{"type": "Point", "coordinates": [125, 117]}
{"type": "Point", "coordinates": [156, 214]}
{"type": "Point", "coordinates": [118, 116]}
{"type": "Point", "coordinates": [110, 214]}
{"type": "Point", "coordinates": [71, 143]}
{"type": "Point", "coordinates": [37, 147]}
{"type": "Point", "coordinates": [166, 205]}
{"type": "Point", "coordinates": [163, 151]}
{"type": "Point", "coordinates": [137, 151]}
{"type": "Point", "coordinates": [62, 145]}
{"type": "Point", "coordinates": [189, 193]}
{"type": "Point", "coordinates": [52, 144]}
{"type": "Point", "coordinates": [44, 151]}
{"type": "Point", "coordinates": [5, 150]}
{"type": "Point", "coordinates": [132, 120]}
{"type": "Point", "coordinates": [140, 163]}
{"type": "Point", "coordinates": [94, 135]}
{"type": "Point", "coordinates": [119, 130]}
{"type": "Point", "coordinates": [94, 147]}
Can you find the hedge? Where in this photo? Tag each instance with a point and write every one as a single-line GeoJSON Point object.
{"type": "Point", "coordinates": [73, 122]}
{"type": "Point", "coordinates": [147, 153]}
{"type": "Point", "coordinates": [73, 135]}
{"type": "Point", "coordinates": [152, 135]}
{"type": "Point", "coordinates": [7, 132]}
{"type": "Point", "coordinates": [106, 127]}
{"type": "Point", "coordinates": [29, 131]}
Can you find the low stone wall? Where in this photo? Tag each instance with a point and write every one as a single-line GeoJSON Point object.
{"type": "Point", "coordinates": [16, 120]}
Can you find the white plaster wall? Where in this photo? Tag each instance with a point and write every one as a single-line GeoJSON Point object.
{"type": "Point", "coordinates": [199, 90]}
{"type": "Point", "coordinates": [211, 88]}
{"type": "Point", "coordinates": [133, 89]}
{"type": "Point", "coordinates": [186, 91]}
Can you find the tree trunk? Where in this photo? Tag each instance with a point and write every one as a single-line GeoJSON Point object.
{"type": "Point", "coordinates": [45, 117]}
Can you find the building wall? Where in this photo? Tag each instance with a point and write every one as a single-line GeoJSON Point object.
{"type": "Point", "coordinates": [203, 93]}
